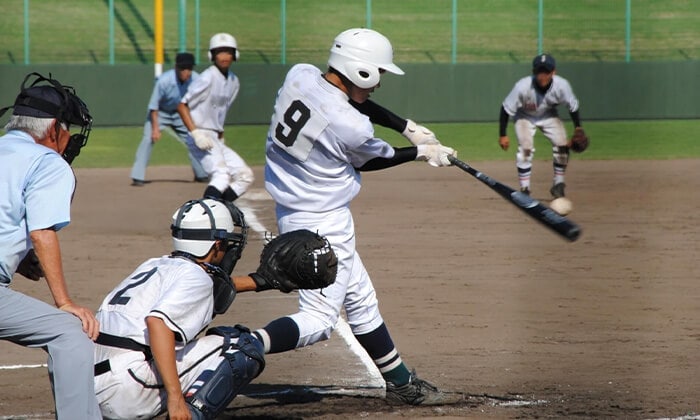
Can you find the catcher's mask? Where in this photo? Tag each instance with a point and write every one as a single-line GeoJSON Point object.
{"type": "Point", "coordinates": [54, 100]}
{"type": "Point", "coordinates": [198, 224]}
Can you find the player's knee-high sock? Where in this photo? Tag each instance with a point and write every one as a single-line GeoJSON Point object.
{"type": "Point", "coordinates": [380, 348]}
{"type": "Point", "coordinates": [523, 161]}
{"type": "Point", "coordinates": [560, 159]}
{"type": "Point", "coordinates": [279, 335]}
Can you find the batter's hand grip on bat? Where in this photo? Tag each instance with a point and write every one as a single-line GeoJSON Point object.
{"type": "Point", "coordinates": [533, 208]}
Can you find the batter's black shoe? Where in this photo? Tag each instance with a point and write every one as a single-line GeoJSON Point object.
{"type": "Point", "coordinates": [525, 190]}
{"type": "Point", "coordinates": [201, 179]}
{"type": "Point", "coordinates": [420, 392]}
{"type": "Point", "coordinates": [557, 190]}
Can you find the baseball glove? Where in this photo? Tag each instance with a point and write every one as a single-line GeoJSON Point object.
{"type": "Point", "coordinates": [294, 260]}
{"type": "Point", "coordinates": [579, 141]}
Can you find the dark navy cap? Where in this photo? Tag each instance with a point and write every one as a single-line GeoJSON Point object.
{"type": "Point", "coordinates": [38, 102]}
{"type": "Point", "coordinates": [184, 61]}
{"type": "Point", "coordinates": [544, 62]}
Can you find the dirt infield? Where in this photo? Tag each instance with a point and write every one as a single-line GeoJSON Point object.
{"type": "Point", "coordinates": [478, 298]}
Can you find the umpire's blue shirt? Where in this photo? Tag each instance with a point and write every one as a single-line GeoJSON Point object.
{"type": "Point", "coordinates": [168, 91]}
{"type": "Point", "coordinates": [36, 188]}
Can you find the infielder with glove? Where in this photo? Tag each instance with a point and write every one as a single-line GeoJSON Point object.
{"type": "Point", "coordinates": [36, 190]}
{"type": "Point", "coordinates": [149, 360]}
{"type": "Point", "coordinates": [533, 103]}
{"type": "Point", "coordinates": [203, 111]}
{"type": "Point", "coordinates": [317, 146]}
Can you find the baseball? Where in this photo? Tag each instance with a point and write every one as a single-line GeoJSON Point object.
{"type": "Point", "coordinates": [561, 205]}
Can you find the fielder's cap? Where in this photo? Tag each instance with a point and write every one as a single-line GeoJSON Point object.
{"type": "Point", "coordinates": [544, 62]}
{"type": "Point", "coordinates": [184, 61]}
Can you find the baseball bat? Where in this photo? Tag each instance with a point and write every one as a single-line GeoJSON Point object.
{"type": "Point", "coordinates": [533, 208]}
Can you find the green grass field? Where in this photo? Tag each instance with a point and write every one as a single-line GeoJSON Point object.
{"type": "Point", "coordinates": [668, 139]}
{"type": "Point", "coordinates": [487, 30]}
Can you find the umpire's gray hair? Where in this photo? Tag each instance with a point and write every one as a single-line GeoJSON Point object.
{"type": "Point", "coordinates": [35, 127]}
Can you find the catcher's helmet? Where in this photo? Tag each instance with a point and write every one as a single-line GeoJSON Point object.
{"type": "Point", "coordinates": [198, 224]}
{"type": "Point", "coordinates": [223, 40]}
{"type": "Point", "coordinates": [359, 54]}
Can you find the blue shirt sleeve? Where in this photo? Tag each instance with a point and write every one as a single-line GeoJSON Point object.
{"type": "Point", "coordinates": [48, 193]}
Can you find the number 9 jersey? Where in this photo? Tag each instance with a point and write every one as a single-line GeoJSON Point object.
{"type": "Point", "coordinates": [315, 141]}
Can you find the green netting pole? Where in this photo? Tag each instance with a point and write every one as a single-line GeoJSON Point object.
{"type": "Point", "coordinates": [196, 31]}
{"type": "Point", "coordinates": [111, 32]}
{"type": "Point", "coordinates": [182, 25]}
{"type": "Point", "coordinates": [283, 30]}
{"type": "Point", "coordinates": [368, 13]}
{"type": "Point", "coordinates": [540, 26]}
{"type": "Point", "coordinates": [454, 31]}
{"type": "Point", "coordinates": [26, 31]}
{"type": "Point", "coordinates": [628, 30]}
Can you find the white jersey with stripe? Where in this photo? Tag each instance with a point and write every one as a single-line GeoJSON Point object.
{"type": "Point", "coordinates": [175, 290]}
{"type": "Point", "coordinates": [210, 96]}
{"type": "Point", "coordinates": [526, 101]}
{"type": "Point", "coordinates": [315, 141]}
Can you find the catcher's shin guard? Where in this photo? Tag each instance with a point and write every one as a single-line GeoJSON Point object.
{"type": "Point", "coordinates": [214, 389]}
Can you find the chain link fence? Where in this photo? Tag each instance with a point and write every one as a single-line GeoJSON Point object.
{"type": "Point", "coordinates": [289, 31]}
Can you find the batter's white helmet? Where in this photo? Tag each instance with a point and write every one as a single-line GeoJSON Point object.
{"type": "Point", "coordinates": [223, 40]}
{"type": "Point", "coordinates": [198, 224]}
{"type": "Point", "coordinates": [359, 54]}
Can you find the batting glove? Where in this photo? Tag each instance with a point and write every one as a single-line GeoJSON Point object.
{"type": "Point", "coordinates": [202, 139]}
{"type": "Point", "coordinates": [435, 154]}
{"type": "Point", "coordinates": [417, 134]}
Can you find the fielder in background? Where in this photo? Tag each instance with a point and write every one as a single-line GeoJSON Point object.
{"type": "Point", "coordinates": [317, 146]}
{"type": "Point", "coordinates": [162, 113]}
{"type": "Point", "coordinates": [203, 110]}
{"type": "Point", "coordinates": [36, 190]}
{"type": "Point", "coordinates": [148, 359]}
{"type": "Point", "coordinates": [533, 103]}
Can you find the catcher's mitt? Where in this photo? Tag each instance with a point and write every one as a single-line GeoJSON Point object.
{"type": "Point", "coordinates": [294, 260]}
{"type": "Point", "coordinates": [579, 141]}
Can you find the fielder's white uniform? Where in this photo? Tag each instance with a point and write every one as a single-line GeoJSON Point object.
{"type": "Point", "coordinates": [177, 291]}
{"type": "Point", "coordinates": [315, 142]}
{"type": "Point", "coordinates": [209, 98]}
{"type": "Point", "coordinates": [532, 109]}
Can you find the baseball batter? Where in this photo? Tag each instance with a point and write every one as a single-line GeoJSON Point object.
{"type": "Point", "coordinates": [203, 110]}
{"type": "Point", "coordinates": [533, 105]}
{"type": "Point", "coordinates": [36, 190]}
{"type": "Point", "coordinates": [148, 360]}
{"type": "Point", "coordinates": [317, 145]}
{"type": "Point", "coordinates": [162, 113]}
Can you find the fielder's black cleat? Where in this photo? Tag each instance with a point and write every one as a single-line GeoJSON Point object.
{"type": "Point", "coordinates": [557, 190]}
{"type": "Point", "coordinates": [137, 182]}
{"type": "Point", "coordinates": [525, 190]}
{"type": "Point", "coordinates": [420, 392]}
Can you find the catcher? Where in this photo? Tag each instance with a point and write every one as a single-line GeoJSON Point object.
{"type": "Point", "coordinates": [148, 359]}
{"type": "Point", "coordinates": [533, 103]}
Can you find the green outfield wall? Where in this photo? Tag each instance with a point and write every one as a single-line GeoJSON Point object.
{"type": "Point", "coordinates": [118, 95]}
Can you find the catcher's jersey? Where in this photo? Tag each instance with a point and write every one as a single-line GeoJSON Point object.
{"type": "Point", "coordinates": [525, 101]}
{"type": "Point", "coordinates": [175, 290]}
{"type": "Point", "coordinates": [315, 141]}
{"type": "Point", "coordinates": [210, 96]}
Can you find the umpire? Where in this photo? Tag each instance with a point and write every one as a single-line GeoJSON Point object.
{"type": "Point", "coordinates": [36, 189]}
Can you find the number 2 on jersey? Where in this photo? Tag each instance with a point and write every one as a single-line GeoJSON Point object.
{"type": "Point", "coordinates": [120, 299]}
{"type": "Point", "coordinates": [295, 117]}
